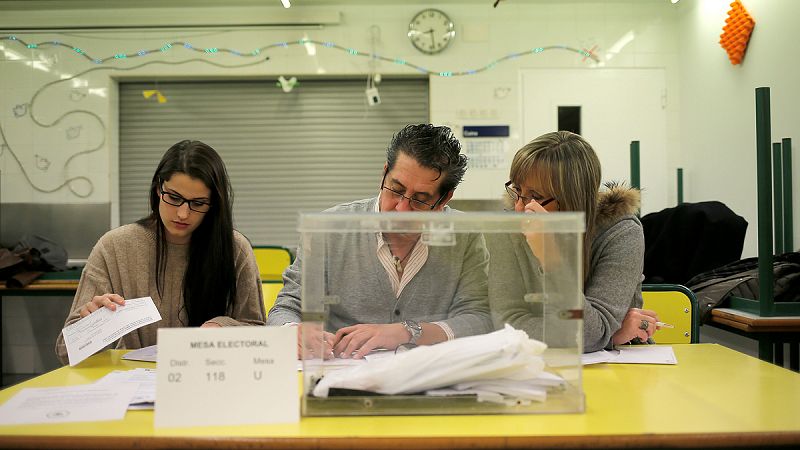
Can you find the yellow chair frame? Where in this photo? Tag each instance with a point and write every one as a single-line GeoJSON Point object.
{"type": "Point", "coordinates": [675, 305]}
{"type": "Point", "coordinates": [270, 290]}
{"type": "Point", "coordinates": [272, 261]}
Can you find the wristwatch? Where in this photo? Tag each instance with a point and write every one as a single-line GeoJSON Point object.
{"type": "Point", "coordinates": [414, 329]}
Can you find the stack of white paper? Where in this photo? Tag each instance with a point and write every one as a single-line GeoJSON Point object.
{"type": "Point", "coordinates": [502, 366]}
{"type": "Point", "coordinates": [144, 379]}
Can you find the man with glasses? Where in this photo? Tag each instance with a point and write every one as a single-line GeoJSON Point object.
{"type": "Point", "coordinates": [394, 289]}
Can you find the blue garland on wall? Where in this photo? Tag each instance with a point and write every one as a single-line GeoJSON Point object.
{"type": "Point", "coordinates": [107, 63]}
{"type": "Point", "coordinates": [171, 46]}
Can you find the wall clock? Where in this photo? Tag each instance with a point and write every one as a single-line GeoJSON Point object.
{"type": "Point", "coordinates": [431, 31]}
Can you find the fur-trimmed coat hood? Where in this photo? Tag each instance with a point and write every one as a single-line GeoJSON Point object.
{"type": "Point", "coordinates": [614, 203]}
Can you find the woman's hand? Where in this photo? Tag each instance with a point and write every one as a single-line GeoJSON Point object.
{"type": "Point", "coordinates": [638, 323]}
{"type": "Point", "coordinates": [210, 325]}
{"type": "Point", "coordinates": [543, 245]}
{"type": "Point", "coordinates": [534, 207]}
{"type": "Point", "coordinates": [110, 301]}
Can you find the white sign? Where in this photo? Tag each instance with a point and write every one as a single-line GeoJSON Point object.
{"type": "Point", "coordinates": [96, 331]}
{"type": "Point", "coordinates": [226, 376]}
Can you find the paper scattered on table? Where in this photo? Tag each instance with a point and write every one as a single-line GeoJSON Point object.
{"type": "Point", "coordinates": [633, 354]}
{"type": "Point", "coordinates": [85, 403]}
{"type": "Point", "coordinates": [146, 354]}
{"type": "Point", "coordinates": [328, 365]}
{"type": "Point", "coordinates": [145, 379]}
{"type": "Point", "coordinates": [102, 327]}
{"type": "Point", "coordinates": [502, 365]}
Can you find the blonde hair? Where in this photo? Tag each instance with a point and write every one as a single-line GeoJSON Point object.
{"type": "Point", "coordinates": [568, 168]}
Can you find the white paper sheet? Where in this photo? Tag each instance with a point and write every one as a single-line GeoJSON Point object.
{"type": "Point", "coordinates": [633, 354]}
{"type": "Point", "coordinates": [146, 354]}
{"type": "Point", "coordinates": [85, 403]}
{"type": "Point", "coordinates": [598, 357]}
{"type": "Point", "coordinates": [145, 379]}
{"type": "Point", "coordinates": [328, 365]}
{"type": "Point", "coordinates": [337, 363]}
{"type": "Point", "coordinates": [102, 327]}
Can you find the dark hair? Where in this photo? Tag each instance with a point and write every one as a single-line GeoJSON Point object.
{"type": "Point", "coordinates": [209, 285]}
{"type": "Point", "coordinates": [432, 147]}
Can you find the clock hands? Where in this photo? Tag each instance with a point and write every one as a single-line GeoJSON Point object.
{"type": "Point", "coordinates": [433, 40]}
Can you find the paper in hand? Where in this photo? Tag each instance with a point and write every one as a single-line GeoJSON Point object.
{"type": "Point", "coordinates": [102, 327]}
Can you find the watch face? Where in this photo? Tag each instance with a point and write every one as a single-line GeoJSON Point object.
{"type": "Point", "coordinates": [431, 31]}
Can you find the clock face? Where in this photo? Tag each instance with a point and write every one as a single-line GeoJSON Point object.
{"type": "Point", "coordinates": [431, 31]}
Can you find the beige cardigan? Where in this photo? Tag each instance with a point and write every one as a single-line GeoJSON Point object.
{"type": "Point", "coordinates": [122, 263]}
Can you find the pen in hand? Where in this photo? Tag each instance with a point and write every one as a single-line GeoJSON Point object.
{"type": "Point", "coordinates": [664, 325]}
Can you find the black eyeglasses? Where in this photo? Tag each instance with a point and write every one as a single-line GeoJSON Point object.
{"type": "Point", "coordinates": [417, 205]}
{"type": "Point", "coordinates": [516, 195]}
{"type": "Point", "coordinates": [174, 199]}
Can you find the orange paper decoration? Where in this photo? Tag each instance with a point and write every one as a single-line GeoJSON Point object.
{"type": "Point", "coordinates": [736, 32]}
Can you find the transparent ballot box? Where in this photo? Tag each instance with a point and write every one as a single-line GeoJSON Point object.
{"type": "Point", "coordinates": [501, 293]}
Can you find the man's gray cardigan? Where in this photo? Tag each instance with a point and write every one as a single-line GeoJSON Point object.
{"type": "Point", "coordinates": [450, 287]}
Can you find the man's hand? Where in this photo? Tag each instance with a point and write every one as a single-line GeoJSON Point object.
{"type": "Point", "coordinates": [358, 340]}
{"type": "Point", "coordinates": [314, 342]}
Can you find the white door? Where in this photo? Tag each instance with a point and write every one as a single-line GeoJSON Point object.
{"type": "Point", "coordinates": [617, 106]}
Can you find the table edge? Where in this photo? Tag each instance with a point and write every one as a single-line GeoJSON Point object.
{"type": "Point", "coordinates": [686, 440]}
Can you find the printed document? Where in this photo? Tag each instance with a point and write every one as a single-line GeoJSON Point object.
{"type": "Point", "coordinates": [85, 403]}
{"type": "Point", "coordinates": [145, 379]}
{"type": "Point", "coordinates": [102, 327]}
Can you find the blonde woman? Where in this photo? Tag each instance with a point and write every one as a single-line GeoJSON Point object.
{"type": "Point", "coordinates": [560, 171]}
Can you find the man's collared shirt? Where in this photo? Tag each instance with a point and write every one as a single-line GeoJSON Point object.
{"type": "Point", "coordinates": [417, 258]}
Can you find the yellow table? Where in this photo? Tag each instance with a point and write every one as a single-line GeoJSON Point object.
{"type": "Point", "coordinates": [714, 397]}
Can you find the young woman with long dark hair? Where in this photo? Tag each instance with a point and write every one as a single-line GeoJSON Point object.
{"type": "Point", "coordinates": [185, 254]}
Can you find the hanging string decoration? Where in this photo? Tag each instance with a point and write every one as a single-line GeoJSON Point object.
{"type": "Point", "coordinates": [81, 186]}
{"type": "Point", "coordinates": [210, 51]}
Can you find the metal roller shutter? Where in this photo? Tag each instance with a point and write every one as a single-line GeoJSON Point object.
{"type": "Point", "coordinates": [286, 153]}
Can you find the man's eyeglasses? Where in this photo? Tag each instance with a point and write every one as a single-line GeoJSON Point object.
{"type": "Point", "coordinates": [516, 195]}
{"type": "Point", "coordinates": [173, 199]}
{"type": "Point", "coordinates": [417, 205]}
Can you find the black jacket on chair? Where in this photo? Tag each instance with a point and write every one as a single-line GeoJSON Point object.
{"type": "Point", "coordinates": [689, 239]}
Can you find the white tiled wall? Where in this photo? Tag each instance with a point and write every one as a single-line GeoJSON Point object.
{"type": "Point", "coordinates": [86, 105]}
{"type": "Point", "coordinates": [717, 114]}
